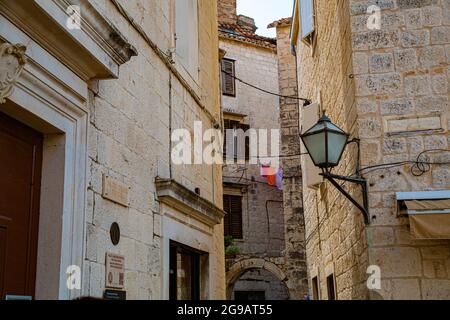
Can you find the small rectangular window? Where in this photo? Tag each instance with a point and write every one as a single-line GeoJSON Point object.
{"type": "Point", "coordinates": [331, 288]}
{"type": "Point", "coordinates": [232, 205]}
{"type": "Point", "coordinates": [315, 288]}
{"type": "Point", "coordinates": [228, 80]}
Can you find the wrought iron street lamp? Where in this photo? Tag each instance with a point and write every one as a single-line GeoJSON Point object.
{"type": "Point", "coordinates": [326, 144]}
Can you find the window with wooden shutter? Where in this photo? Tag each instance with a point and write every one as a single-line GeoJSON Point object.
{"type": "Point", "coordinates": [228, 80]}
{"type": "Point", "coordinates": [233, 219]}
{"type": "Point", "coordinates": [307, 18]}
{"type": "Point", "coordinates": [187, 35]}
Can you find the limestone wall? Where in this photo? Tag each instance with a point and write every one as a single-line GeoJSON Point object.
{"type": "Point", "coordinates": [402, 74]}
{"type": "Point", "coordinates": [334, 229]}
{"type": "Point", "coordinates": [131, 119]}
{"type": "Point", "coordinates": [263, 224]}
{"type": "Point", "coordinates": [375, 84]}
{"type": "Point", "coordinates": [257, 66]}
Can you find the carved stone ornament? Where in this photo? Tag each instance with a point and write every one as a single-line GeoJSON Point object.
{"type": "Point", "coordinates": [12, 62]}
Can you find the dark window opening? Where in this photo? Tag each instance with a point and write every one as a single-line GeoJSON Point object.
{"type": "Point", "coordinates": [330, 286]}
{"type": "Point", "coordinates": [315, 288]}
{"type": "Point", "coordinates": [239, 144]}
{"type": "Point", "coordinates": [184, 273]}
{"type": "Point", "coordinates": [233, 219]}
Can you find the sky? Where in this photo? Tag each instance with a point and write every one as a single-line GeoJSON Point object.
{"type": "Point", "coordinates": [265, 12]}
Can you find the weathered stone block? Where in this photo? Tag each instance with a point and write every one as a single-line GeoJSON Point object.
{"type": "Point", "coordinates": [408, 4]}
{"type": "Point", "coordinates": [435, 142]}
{"type": "Point", "coordinates": [380, 236]}
{"type": "Point", "coordinates": [434, 269]}
{"type": "Point", "coordinates": [439, 84]}
{"type": "Point", "coordinates": [370, 152]}
{"type": "Point", "coordinates": [398, 261]}
{"type": "Point", "coordinates": [389, 181]}
{"type": "Point", "coordinates": [381, 62]}
{"type": "Point", "coordinates": [405, 60]}
{"type": "Point", "coordinates": [415, 38]}
{"type": "Point", "coordinates": [441, 178]}
{"type": "Point", "coordinates": [375, 39]}
{"type": "Point", "coordinates": [369, 127]}
{"type": "Point", "coordinates": [400, 106]}
{"type": "Point", "coordinates": [432, 56]}
{"type": "Point", "coordinates": [415, 145]}
{"type": "Point", "coordinates": [435, 289]}
{"type": "Point", "coordinates": [405, 289]}
{"type": "Point", "coordinates": [417, 85]}
{"type": "Point", "coordinates": [361, 7]}
{"type": "Point", "coordinates": [389, 21]}
{"type": "Point", "coordinates": [440, 35]}
{"type": "Point", "coordinates": [379, 84]}
{"type": "Point", "coordinates": [432, 16]}
{"type": "Point", "coordinates": [360, 63]}
{"type": "Point", "coordinates": [413, 19]}
{"type": "Point", "coordinates": [394, 145]}
{"type": "Point", "coordinates": [432, 104]}
{"type": "Point", "coordinates": [365, 106]}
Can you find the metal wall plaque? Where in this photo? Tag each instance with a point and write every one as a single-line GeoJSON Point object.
{"type": "Point", "coordinates": [115, 295]}
{"type": "Point", "coordinates": [114, 233]}
{"type": "Point", "coordinates": [115, 271]}
{"type": "Point", "coordinates": [18, 298]}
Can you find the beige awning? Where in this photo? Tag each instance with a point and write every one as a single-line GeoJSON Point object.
{"type": "Point", "coordinates": [429, 219]}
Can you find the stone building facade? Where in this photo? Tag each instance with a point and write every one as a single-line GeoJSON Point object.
{"type": "Point", "coordinates": [387, 85]}
{"type": "Point", "coordinates": [262, 215]}
{"type": "Point", "coordinates": [295, 255]}
{"type": "Point", "coordinates": [96, 90]}
{"type": "Point", "coordinates": [262, 268]}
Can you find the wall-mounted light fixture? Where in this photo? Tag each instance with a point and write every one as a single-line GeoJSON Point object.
{"type": "Point", "coordinates": [326, 143]}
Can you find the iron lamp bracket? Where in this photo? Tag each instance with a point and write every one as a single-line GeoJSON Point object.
{"type": "Point", "coordinates": [364, 208]}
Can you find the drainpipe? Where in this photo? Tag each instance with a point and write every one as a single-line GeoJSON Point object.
{"type": "Point", "coordinates": [170, 125]}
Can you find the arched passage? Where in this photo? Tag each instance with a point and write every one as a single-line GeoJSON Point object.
{"type": "Point", "coordinates": [238, 269]}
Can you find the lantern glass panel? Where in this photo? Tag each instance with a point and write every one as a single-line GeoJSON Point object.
{"type": "Point", "coordinates": [315, 144]}
{"type": "Point", "coordinates": [336, 146]}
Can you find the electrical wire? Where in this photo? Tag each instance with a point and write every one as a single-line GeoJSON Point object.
{"type": "Point", "coordinates": [418, 168]}
{"type": "Point", "coordinates": [250, 180]}
{"type": "Point", "coordinates": [307, 101]}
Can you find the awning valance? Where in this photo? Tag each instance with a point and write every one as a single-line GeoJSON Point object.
{"type": "Point", "coordinates": [429, 213]}
{"type": "Point", "coordinates": [427, 206]}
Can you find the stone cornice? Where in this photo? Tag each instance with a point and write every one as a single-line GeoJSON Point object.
{"type": "Point", "coordinates": [180, 198]}
{"type": "Point", "coordinates": [94, 51]}
{"type": "Point", "coordinates": [100, 28]}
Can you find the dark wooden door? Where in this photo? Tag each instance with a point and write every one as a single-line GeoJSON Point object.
{"type": "Point", "coordinates": [20, 179]}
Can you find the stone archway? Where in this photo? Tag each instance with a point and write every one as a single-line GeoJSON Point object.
{"type": "Point", "coordinates": [239, 268]}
